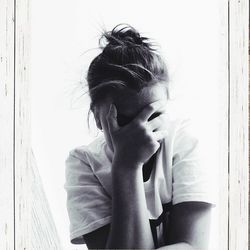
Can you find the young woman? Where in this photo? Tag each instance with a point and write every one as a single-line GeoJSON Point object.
{"type": "Point", "coordinates": [143, 183]}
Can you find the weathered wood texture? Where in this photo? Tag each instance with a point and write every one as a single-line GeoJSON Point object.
{"type": "Point", "coordinates": [34, 225]}
{"type": "Point", "coordinates": [22, 126]}
{"type": "Point", "coordinates": [6, 124]}
{"type": "Point", "coordinates": [223, 129]}
{"type": "Point", "coordinates": [238, 124]}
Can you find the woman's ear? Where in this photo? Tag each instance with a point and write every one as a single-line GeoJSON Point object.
{"type": "Point", "coordinates": [97, 118]}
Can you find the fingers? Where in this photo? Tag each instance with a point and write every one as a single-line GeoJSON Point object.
{"type": "Point", "coordinates": [112, 118]}
{"type": "Point", "coordinates": [157, 123]}
{"type": "Point", "coordinates": [151, 108]}
{"type": "Point", "coordinates": [160, 135]}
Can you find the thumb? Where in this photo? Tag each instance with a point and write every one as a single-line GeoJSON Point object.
{"type": "Point", "coordinates": [112, 118]}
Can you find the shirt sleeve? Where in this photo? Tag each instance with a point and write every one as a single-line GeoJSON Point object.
{"type": "Point", "coordinates": [88, 204]}
{"type": "Point", "coordinates": [193, 165]}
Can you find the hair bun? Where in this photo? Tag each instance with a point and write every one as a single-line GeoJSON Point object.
{"type": "Point", "coordinates": [124, 36]}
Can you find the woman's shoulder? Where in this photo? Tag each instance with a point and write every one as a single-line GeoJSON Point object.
{"type": "Point", "coordinates": [85, 153]}
{"type": "Point", "coordinates": [81, 162]}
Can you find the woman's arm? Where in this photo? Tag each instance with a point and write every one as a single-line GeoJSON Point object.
{"type": "Point", "coordinates": [133, 145]}
{"type": "Point", "coordinates": [190, 226]}
{"type": "Point", "coordinates": [130, 227]}
{"type": "Point", "coordinates": [188, 230]}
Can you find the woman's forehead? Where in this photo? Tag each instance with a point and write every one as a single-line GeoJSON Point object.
{"type": "Point", "coordinates": [129, 102]}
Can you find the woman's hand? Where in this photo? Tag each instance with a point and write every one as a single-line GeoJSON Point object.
{"type": "Point", "coordinates": [137, 141]}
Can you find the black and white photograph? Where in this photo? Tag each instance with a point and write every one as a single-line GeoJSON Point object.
{"type": "Point", "coordinates": [124, 125]}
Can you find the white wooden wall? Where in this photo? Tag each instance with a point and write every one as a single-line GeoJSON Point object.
{"type": "Point", "coordinates": [223, 129]}
{"type": "Point", "coordinates": [17, 175]}
{"type": "Point", "coordinates": [6, 124]}
{"type": "Point", "coordinates": [15, 157]}
{"type": "Point", "coordinates": [238, 124]}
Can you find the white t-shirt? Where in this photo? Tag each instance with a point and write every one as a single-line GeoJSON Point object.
{"type": "Point", "coordinates": [182, 172]}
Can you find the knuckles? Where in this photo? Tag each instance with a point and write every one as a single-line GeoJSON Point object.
{"type": "Point", "coordinates": [150, 107]}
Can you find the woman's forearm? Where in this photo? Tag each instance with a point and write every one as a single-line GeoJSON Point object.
{"type": "Point", "coordinates": [130, 227]}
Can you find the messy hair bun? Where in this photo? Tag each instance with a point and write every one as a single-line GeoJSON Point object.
{"type": "Point", "coordinates": [127, 60]}
{"type": "Point", "coordinates": [127, 36]}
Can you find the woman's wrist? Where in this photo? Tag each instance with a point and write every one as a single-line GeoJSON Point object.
{"type": "Point", "coordinates": [123, 164]}
{"type": "Point", "coordinates": [130, 226]}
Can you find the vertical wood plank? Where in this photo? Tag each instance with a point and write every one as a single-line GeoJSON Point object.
{"type": "Point", "coordinates": [22, 126]}
{"type": "Point", "coordinates": [223, 90]}
{"type": "Point", "coordinates": [6, 124]}
{"type": "Point", "coordinates": [34, 224]}
{"type": "Point", "coordinates": [238, 125]}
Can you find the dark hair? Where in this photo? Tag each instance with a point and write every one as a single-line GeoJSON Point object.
{"type": "Point", "coordinates": [127, 60]}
